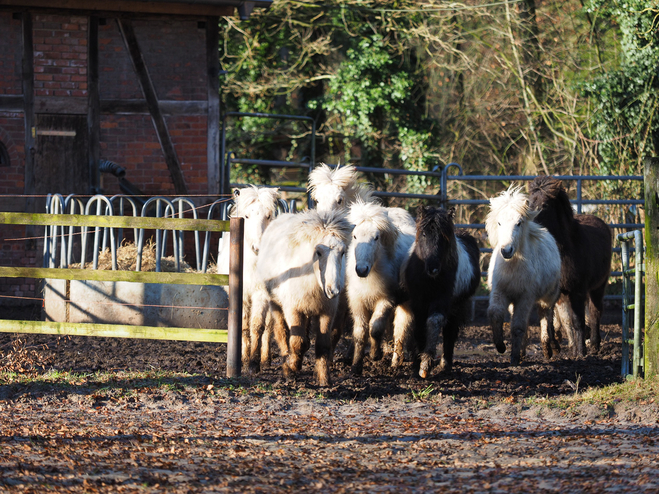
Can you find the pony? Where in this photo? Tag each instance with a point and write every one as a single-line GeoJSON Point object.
{"type": "Point", "coordinates": [333, 188]}
{"type": "Point", "coordinates": [301, 274]}
{"type": "Point", "coordinates": [584, 242]}
{"type": "Point", "coordinates": [258, 206]}
{"type": "Point", "coordinates": [524, 271]}
{"type": "Point", "coordinates": [375, 256]}
{"type": "Point", "coordinates": [440, 276]}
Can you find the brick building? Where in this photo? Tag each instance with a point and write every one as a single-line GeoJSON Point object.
{"type": "Point", "coordinates": [134, 82]}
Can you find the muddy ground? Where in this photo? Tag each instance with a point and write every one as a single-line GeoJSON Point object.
{"type": "Point", "coordinates": [484, 428]}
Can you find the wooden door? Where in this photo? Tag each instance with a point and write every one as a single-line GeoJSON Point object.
{"type": "Point", "coordinates": [61, 161]}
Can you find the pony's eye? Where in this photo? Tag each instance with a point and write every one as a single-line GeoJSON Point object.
{"type": "Point", "coordinates": [246, 216]}
{"type": "Point", "coordinates": [340, 201]}
{"type": "Point", "coordinates": [354, 237]}
{"type": "Point", "coordinates": [498, 223]}
{"type": "Point", "coordinates": [319, 253]}
{"type": "Point", "coordinates": [268, 217]}
{"type": "Point", "coordinates": [519, 223]}
{"type": "Point", "coordinates": [377, 237]}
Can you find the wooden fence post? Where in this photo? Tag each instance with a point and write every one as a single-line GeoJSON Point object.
{"type": "Point", "coordinates": [235, 298]}
{"type": "Point", "coordinates": [651, 267]}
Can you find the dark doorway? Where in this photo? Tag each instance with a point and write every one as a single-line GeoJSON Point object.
{"type": "Point", "coordinates": [61, 162]}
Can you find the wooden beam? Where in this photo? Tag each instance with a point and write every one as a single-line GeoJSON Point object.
{"type": "Point", "coordinates": [173, 164]}
{"type": "Point", "coordinates": [94, 107]}
{"type": "Point", "coordinates": [103, 6]}
{"type": "Point", "coordinates": [167, 107]}
{"type": "Point", "coordinates": [11, 103]}
{"type": "Point", "coordinates": [166, 278]}
{"type": "Point", "coordinates": [213, 125]}
{"type": "Point", "coordinates": [114, 331]}
{"type": "Point", "coordinates": [28, 115]}
{"type": "Point", "coordinates": [182, 224]}
{"type": "Point", "coordinates": [651, 343]}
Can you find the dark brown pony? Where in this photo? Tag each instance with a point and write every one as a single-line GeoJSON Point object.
{"type": "Point", "coordinates": [584, 242]}
{"type": "Point", "coordinates": [441, 275]}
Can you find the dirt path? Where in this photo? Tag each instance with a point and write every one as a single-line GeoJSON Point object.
{"type": "Point", "coordinates": [162, 431]}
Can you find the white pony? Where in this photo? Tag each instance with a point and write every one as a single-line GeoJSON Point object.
{"type": "Point", "coordinates": [300, 274]}
{"type": "Point", "coordinates": [525, 270]}
{"type": "Point", "coordinates": [258, 206]}
{"type": "Point", "coordinates": [333, 188]}
{"type": "Point", "coordinates": [377, 250]}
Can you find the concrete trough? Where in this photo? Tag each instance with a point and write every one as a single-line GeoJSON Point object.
{"type": "Point", "coordinates": [137, 304]}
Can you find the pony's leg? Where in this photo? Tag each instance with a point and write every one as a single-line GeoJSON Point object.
{"type": "Point", "coordinates": [595, 306]}
{"type": "Point", "coordinates": [451, 329]}
{"type": "Point", "coordinates": [496, 314]}
{"type": "Point", "coordinates": [563, 312]}
{"type": "Point", "coordinates": [266, 338]}
{"type": "Point", "coordinates": [297, 323]}
{"type": "Point", "coordinates": [434, 326]}
{"type": "Point", "coordinates": [257, 323]}
{"type": "Point", "coordinates": [546, 314]}
{"type": "Point", "coordinates": [245, 330]}
{"type": "Point", "coordinates": [323, 349]}
{"type": "Point", "coordinates": [341, 320]}
{"type": "Point", "coordinates": [361, 318]}
{"type": "Point", "coordinates": [279, 329]}
{"type": "Point", "coordinates": [578, 305]}
{"type": "Point", "coordinates": [380, 321]}
{"type": "Point", "coordinates": [518, 327]}
{"type": "Point", "coordinates": [403, 321]}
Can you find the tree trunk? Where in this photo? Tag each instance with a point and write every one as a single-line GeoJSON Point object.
{"type": "Point", "coordinates": [651, 267]}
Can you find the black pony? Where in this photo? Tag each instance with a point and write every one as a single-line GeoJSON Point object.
{"type": "Point", "coordinates": [441, 275]}
{"type": "Point", "coordinates": [584, 242]}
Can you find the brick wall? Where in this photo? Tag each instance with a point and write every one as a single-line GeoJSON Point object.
{"type": "Point", "coordinates": [175, 54]}
{"type": "Point", "coordinates": [60, 55]}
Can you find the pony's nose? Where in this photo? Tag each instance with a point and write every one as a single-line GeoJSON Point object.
{"type": "Point", "coordinates": [332, 291]}
{"type": "Point", "coordinates": [507, 252]}
{"type": "Point", "coordinates": [432, 272]}
{"type": "Point", "coordinates": [362, 270]}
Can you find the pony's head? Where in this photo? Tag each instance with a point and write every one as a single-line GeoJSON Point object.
{"type": "Point", "coordinates": [335, 188]}
{"type": "Point", "coordinates": [328, 232]}
{"type": "Point", "coordinates": [373, 232]}
{"type": "Point", "coordinates": [507, 223]}
{"type": "Point", "coordinates": [258, 206]}
{"type": "Point", "coordinates": [435, 237]}
{"type": "Point", "coordinates": [549, 198]}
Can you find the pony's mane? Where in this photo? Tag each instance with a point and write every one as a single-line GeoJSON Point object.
{"type": "Point", "coordinates": [265, 196]}
{"type": "Point", "coordinates": [371, 212]}
{"type": "Point", "coordinates": [551, 189]}
{"type": "Point", "coordinates": [429, 216]}
{"type": "Point", "coordinates": [514, 199]}
{"type": "Point", "coordinates": [315, 225]}
{"type": "Point", "coordinates": [343, 177]}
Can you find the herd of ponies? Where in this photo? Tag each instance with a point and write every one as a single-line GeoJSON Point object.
{"type": "Point", "coordinates": [352, 263]}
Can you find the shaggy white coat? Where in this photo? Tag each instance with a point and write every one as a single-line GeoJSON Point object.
{"type": "Point", "coordinates": [300, 273]}
{"type": "Point", "coordinates": [376, 253]}
{"type": "Point", "coordinates": [524, 270]}
{"type": "Point", "coordinates": [335, 188]}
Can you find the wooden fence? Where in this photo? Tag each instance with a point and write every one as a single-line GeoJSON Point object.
{"type": "Point", "coordinates": [231, 335]}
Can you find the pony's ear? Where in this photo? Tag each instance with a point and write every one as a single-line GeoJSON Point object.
{"type": "Point", "coordinates": [236, 192]}
{"type": "Point", "coordinates": [533, 213]}
{"type": "Point", "coordinates": [451, 212]}
{"type": "Point", "coordinates": [421, 210]}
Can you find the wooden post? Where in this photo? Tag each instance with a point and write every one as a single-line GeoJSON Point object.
{"type": "Point", "coordinates": [651, 267]}
{"type": "Point", "coordinates": [235, 298]}
{"type": "Point", "coordinates": [94, 107]}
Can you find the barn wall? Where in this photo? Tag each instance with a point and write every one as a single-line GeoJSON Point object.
{"type": "Point", "coordinates": [175, 55]}
{"type": "Point", "coordinates": [12, 177]}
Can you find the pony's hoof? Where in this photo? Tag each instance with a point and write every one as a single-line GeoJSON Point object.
{"type": "Point", "coordinates": [424, 369]}
{"type": "Point", "coordinates": [357, 369]}
{"type": "Point", "coordinates": [287, 371]}
{"type": "Point", "coordinates": [501, 347]}
{"type": "Point", "coordinates": [376, 353]}
{"type": "Point", "coordinates": [254, 368]}
{"type": "Point", "coordinates": [396, 361]}
{"type": "Point", "coordinates": [547, 351]}
{"type": "Point", "coordinates": [445, 367]}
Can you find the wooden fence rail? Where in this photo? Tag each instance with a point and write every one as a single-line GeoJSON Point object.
{"type": "Point", "coordinates": [231, 335]}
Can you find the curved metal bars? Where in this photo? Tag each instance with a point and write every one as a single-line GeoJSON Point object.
{"type": "Point", "coordinates": [179, 251]}
{"type": "Point", "coordinates": [140, 243]}
{"type": "Point", "coordinates": [100, 201]}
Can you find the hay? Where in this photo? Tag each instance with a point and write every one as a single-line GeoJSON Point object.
{"type": "Point", "coordinates": [127, 259]}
